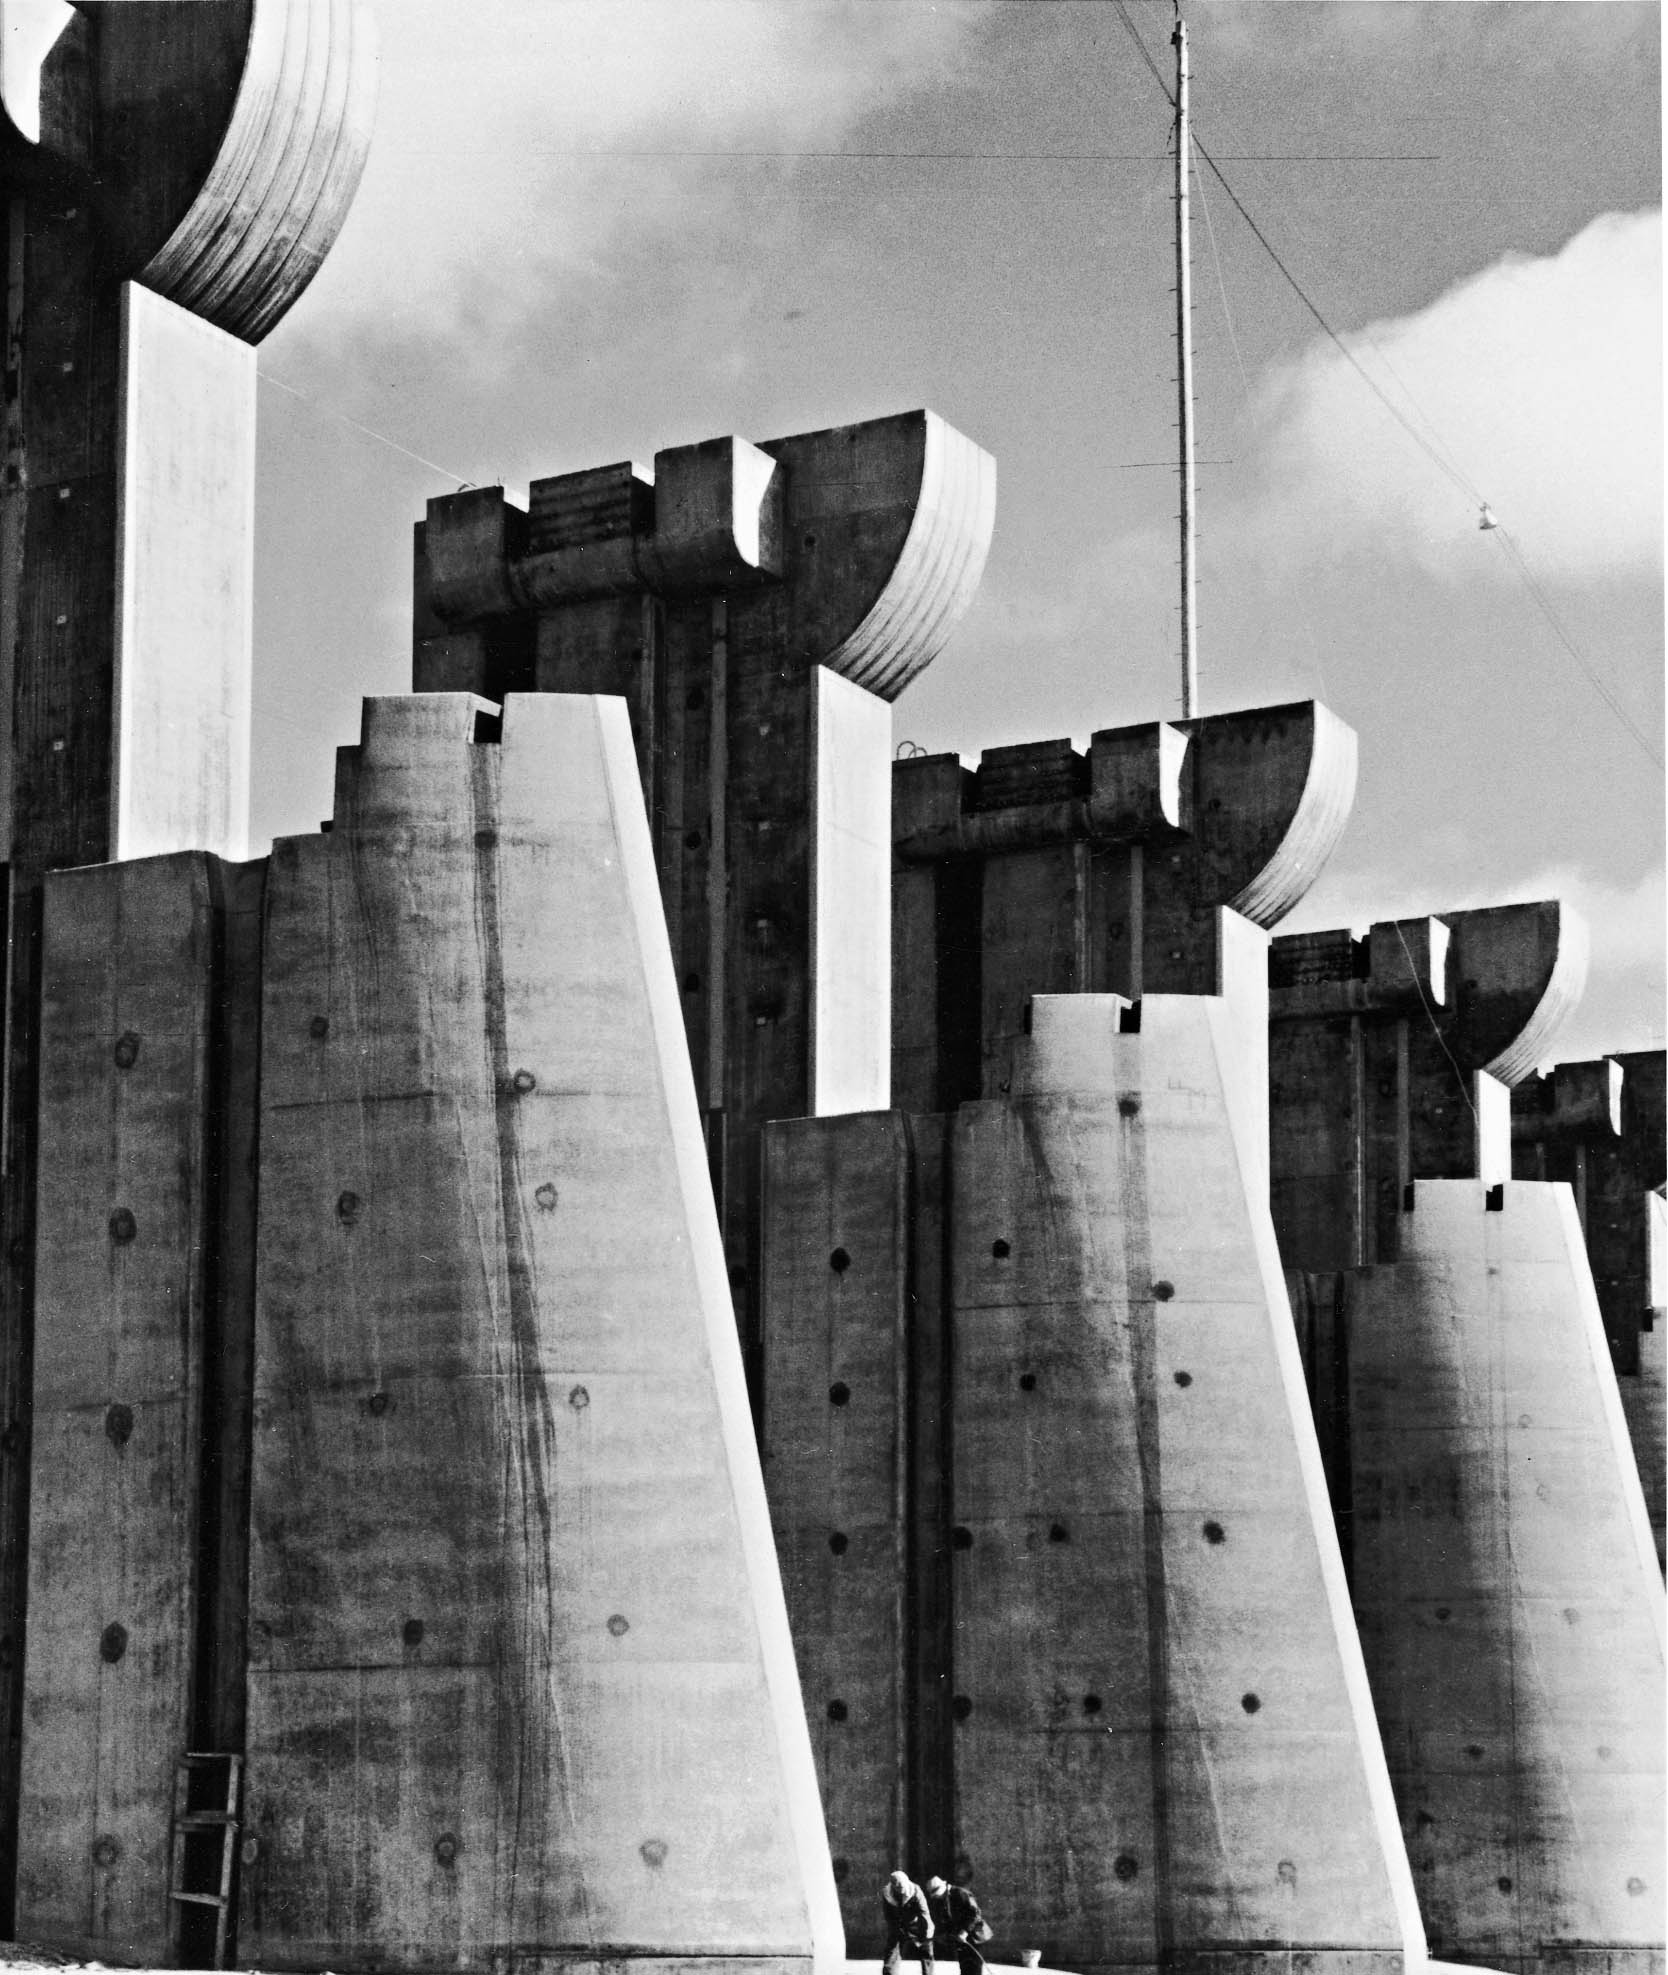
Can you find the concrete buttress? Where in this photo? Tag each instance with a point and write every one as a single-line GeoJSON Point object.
{"type": "Point", "coordinates": [1489, 1503]}
{"type": "Point", "coordinates": [521, 1688]}
{"type": "Point", "coordinates": [1506, 1587]}
{"type": "Point", "coordinates": [1165, 1753]}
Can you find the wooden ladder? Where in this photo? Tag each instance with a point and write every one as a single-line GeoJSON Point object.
{"type": "Point", "coordinates": [218, 1778]}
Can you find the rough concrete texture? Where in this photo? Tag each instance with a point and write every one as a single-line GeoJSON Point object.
{"type": "Point", "coordinates": [1506, 1588]}
{"type": "Point", "coordinates": [521, 1687]}
{"type": "Point", "coordinates": [835, 1419]}
{"type": "Point", "coordinates": [185, 527]}
{"type": "Point", "coordinates": [1166, 1752]}
{"type": "Point", "coordinates": [126, 1211]}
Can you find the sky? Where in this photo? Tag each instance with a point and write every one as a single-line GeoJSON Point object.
{"type": "Point", "coordinates": [591, 229]}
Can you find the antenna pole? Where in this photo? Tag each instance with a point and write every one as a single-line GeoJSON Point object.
{"type": "Point", "coordinates": [1184, 372]}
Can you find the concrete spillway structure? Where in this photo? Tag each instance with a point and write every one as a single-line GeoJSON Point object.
{"type": "Point", "coordinates": [1066, 1594]}
{"type": "Point", "coordinates": [757, 607]}
{"type": "Point", "coordinates": [1492, 1521]}
{"type": "Point", "coordinates": [174, 175]}
{"type": "Point", "coordinates": [519, 1687]}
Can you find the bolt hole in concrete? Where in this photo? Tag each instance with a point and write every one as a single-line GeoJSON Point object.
{"type": "Point", "coordinates": [962, 1538]}
{"type": "Point", "coordinates": [347, 1208]}
{"type": "Point", "coordinates": [1504, 1884]}
{"type": "Point", "coordinates": [126, 1051]}
{"type": "Point", "coordinates": [961, 1707]}
{"type": "Point", "coordinates": [524, 1081]}
{"type": "Point", "coordinates": [1028, 1381]}
{"type": "Point", "coordinates": [412, 1632]}
{"type": "Point", "coordinates": [1474, 1751]}
{"type": "Point", "coordinates": [1000, 1250]}
{"type": "Point", "coordinates": [692, 983]}
{"type": "Point", "coordinates": [619, 1626]}
{"type": "Point", "coordinates": [839, 1543]}
{"type": "Point", "coordinates": [319, 1027]}
{"type": "Point", "coordinates": [1213, 1532]}
{"type": "Point", "coordinates": [579, 1398]}
{"type": "Point", "coordinates": [1443, 1614]}
{"type": "Point", "coordinates": [1058, 1533]}
{"type": "Point", "coordinates": [446, 1848]}
{"type": "Point", "coordinates": [837, 1710]}
{"type": "Point", "coordinates": [653, 1851]}
{"type": "Point", "coordinates": [118, 1425]}
{"type": "Point", "coordinates": [842, 1871]}
{"type": "Point", "coordinates": [838, 1394]}
{"type": "Point", "coordinates": [378, 1405]}
{"type": "Point", "coordinates": [1636, 1886]}
{"type": "Point", "coordinates": [112, 1643]}
{"type": "Point", "coordinates": [1125, 1867]}
{"type": "Point", "coordinates": [1128, 1107]}
{"type": "Point", "coordinates": [545, 1197]}
{"type": "Point", "coordinates": [839, 1261]}
{"type": "Point", "coordinates": [1286, 1872]}
{"type": "Point", "coordinates": [486, 839]}
{"type": "Point", "coordinates": [1250, 1703]}
{"type": "Point", "coordinates": [106, 1851]}
{"type": "Point", "coordinates": [1163, 1291]}
{"type": "Point", "coordinates": [1091, 1704]}
{"type": "Point", "coordinates": [1184, 1378]}
{"type": "Point", "coordinates": [123, 1227]}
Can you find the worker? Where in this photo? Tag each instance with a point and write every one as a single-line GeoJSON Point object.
{"type": "Point", "coordinates": [908, 1923]}
{"type": "Point", "coordinates": [955, 1913]}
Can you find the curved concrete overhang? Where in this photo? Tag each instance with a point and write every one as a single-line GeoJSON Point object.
{"type": "Point", "coordinates": [1272, 788]}
{"type": "Point", "coordinates": [281, 184]}
{"type": "Point", "coordinates": [220, 142]}
{"type": "Point", "coordinates": [1519, 972]}
{"type": "Point", "coordinates": [889, 524]}
{"type": "Point", "coordinates": [937, 570]}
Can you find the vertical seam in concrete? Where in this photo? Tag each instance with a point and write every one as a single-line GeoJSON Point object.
{"type": "Point", "coordinates": [1133, 1180]}
{"type": "Point", "coordinates": [533, 1423]}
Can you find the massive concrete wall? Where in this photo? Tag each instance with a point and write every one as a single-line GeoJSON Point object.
{"type": "Point", "coordinates": [1487, 1497]}
{"type": "Point", "coordinates": [533, 1702]}
{"type": "Point", "coordinates": [137, 1564]}
{"type": "Point", "coordinates": [1167, 1753]}
{"type": "Point", "coordinates": [1505, 1586]}
{"type": "Point", "coordinates": [1013, 1455]}
{"type": "Point", "coordinates": [514, 1659]}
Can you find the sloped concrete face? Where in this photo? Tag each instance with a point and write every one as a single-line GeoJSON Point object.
{"type": "Point", "coordinates": [521, 1688]}
{"type": "Point", "coordinates": [1506, 1586]}
{"type": "Point", "coordinates": [1165, 1752]}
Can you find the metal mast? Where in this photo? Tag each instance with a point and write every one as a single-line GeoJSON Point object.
{"type": "Point", "coordinates": [1184, 372]}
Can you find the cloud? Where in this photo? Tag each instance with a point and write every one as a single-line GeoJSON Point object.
{"type": "Point", "coordinates": [1539, 381]}
{"type": "Point", "coordinates": [493, 114]}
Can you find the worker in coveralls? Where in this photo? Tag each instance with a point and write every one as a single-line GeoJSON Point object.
{"type": "Point", "coordinates": [955, 1912]}
{"type": "Point", "coordinates": [908, 1923]}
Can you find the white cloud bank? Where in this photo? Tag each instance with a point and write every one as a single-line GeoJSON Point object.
{"type": "Point", "coordinates": [479, 171]}
{"type": "Point", "coordinates": [1540, 378]}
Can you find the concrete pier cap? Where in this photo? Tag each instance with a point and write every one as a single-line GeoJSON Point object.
{"type": "Point", "coordinates": [877, 532]}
